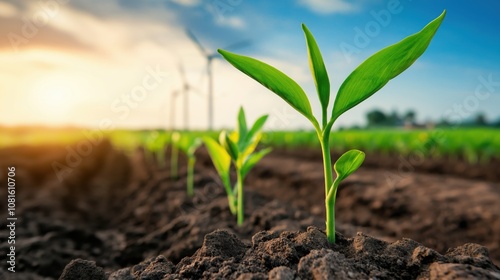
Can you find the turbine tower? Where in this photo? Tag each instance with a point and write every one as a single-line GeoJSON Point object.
{"type": "Point", "coordinates": [210, 57]}
{"type": "Point", "coordinates": [184, 90]}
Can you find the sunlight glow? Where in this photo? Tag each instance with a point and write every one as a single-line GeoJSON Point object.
{"type": "Point", "coordinates": [55, 98]}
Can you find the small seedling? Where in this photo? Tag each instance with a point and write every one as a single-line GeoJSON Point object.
{"type": "Point", "coordinates": [188, 144]}
{"type": "Point", "coordinates": [238, 148]}
{"type": "Point", "coordinates": [155, 146]}
{"type": "Point", "coordinates": [362, 83]}
{"type": "Point", "coordinates": [174, 155]}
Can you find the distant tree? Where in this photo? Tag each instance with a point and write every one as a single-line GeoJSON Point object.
{"type": "Point", "coordinates": [410, 117]}
{"type": "Point", "coordinates": [480, 120]}
{"type": "Point", "coordinates": [376, 117]}
{"type": "Point", "coordinates": [394, 119]}
{"type": "Point", "coordinates": [497, 123]}
{"type": "Point", "coordinates": [444, 123]}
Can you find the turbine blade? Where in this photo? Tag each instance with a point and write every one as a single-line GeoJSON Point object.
{"type": "Point", "coordinates": [238, 45]}
{"type": "Point", "coordinates": [195, 40]}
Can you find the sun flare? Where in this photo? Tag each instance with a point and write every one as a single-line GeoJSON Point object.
{"type": "Point", "coordinates": [55, 98]}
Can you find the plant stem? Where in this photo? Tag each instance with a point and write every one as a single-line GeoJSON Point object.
{"type": "Point", "coordinates": [330, 220]}
{"type": "Point", "coordinates": [330, 211]}
{"type": "Point", "coordinates": [232, 205]}
{"type": "Point", "coordinates": [327, 161]}
{"type": "Point", "coordinates": [174, 161]}
{"type": "Point", "coordinates": [230, 198]}
{"type": "Point", "coordinates": [160, 156]}
{"type": "Point", "coordinates": [190, 173]}
{"type": "Point", "coordinates": [329, 204]}
{"type": "Point", "coordinates": [324, 117]}
{"type": "Point", "coordinates": [239, 186]}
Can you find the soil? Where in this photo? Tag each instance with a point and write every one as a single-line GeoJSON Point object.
{"type": "Point", "coordinates": [120, 216]}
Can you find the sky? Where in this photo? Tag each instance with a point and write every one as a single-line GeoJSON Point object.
{"type": "Point", "coordinates": [116, 63]}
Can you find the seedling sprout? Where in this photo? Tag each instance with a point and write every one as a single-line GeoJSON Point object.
{"type": "Point", "coordinates": [188, 144]}
{"type": "Point", "coordinates": [363, 82]}
{"type": "Point", "coordinates": [174, 155]}
{"type": "Point", "coordinates": [238, 148]}
{"type": "Point", "coordinates": [155, 145]}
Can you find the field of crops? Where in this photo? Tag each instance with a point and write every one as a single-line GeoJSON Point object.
{"type": "Point", "coordinates": [129, 190]}
{"type": "Point", "coordinates": [474, 145]}
{"type": "Point", "coordinates": [146, 197]}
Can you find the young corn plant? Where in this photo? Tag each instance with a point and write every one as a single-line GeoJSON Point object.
{"type": "Point", "coordinates": [155, 146]}
{"type": "Point", "coordinates": [238, 148]}
{"type": "Point", "coordinates": [174, 155]}
{"type": "Point", "coordinates": [188, 144]}
{"type": "Point", "coordinates": [363, 82]}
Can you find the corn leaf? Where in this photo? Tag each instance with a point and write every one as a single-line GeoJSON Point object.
{"type": "Point", "coordinates": [381, 67]}
{"type": "Point", "coordinates": [253, 160]}
{"type": "Point", "coordinates": [242, 128]}
{"type": "Point", "coordinates": [318, 70]}
{"type": "Point", "coordinates": [250, 148]}
{"type": "Point", "coordinates": [194, 146]}
{"type": "Point", "coordinates": [257, 126]}
{"type": "Point", "coordinates": [188, 144]}
{"type": "Point", "coordinates": [348, 163]}
{"type": "Point", "coordinates": [221, 160]}
{"type": "Point", "coordinates": [228, 141]}
{"type": "Point", "coordinates": [274, 80]}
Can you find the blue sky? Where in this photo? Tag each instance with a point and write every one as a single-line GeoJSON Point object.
{"type": "Point", "coordinates": [88, 55]}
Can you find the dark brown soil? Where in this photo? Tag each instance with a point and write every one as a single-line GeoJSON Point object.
{"type": "Point", "coordinates": [125, 217]}
{"type": "Point", "coordinates": [304, 255]}
{"type": "Point", "coordinates": [440, 211]}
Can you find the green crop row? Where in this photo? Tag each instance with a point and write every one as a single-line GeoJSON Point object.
{"type": "Point", "coordinates": [474, 145]}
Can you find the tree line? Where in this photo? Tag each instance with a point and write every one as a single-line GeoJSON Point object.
{"type": "Point", "coordinates": [379, 118]}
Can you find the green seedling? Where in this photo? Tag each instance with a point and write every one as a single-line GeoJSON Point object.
{"type": "Point", "coordinates": [363, 82]}
{"type": "Point", "coordinates": [155, 145]}
{"type": "Point", "coordinates": [174, 155]}
{"type": "Point", "coordinates": [238, 148]}
{"type": "Point", "coordinates": [188, 144]}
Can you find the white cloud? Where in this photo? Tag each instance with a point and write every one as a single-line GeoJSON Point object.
{"type": "Point", "coordinates": [328, 6]}
{"type": "Point", "coordinates": [126, 46]}
{"type": "Point", "coordinates": [188, 3]}
{"type": "Point", "coordinates": [233, 22]}
{"type": "Point", "coordinates": [123, 46]}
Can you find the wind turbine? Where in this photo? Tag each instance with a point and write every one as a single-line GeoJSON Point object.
{"type": "Point", "coordinates": [173, 97]}
{"type": "Point", "coordinates": [184, 90]}
{"type": "Point", "coordinates": [210, 57]}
